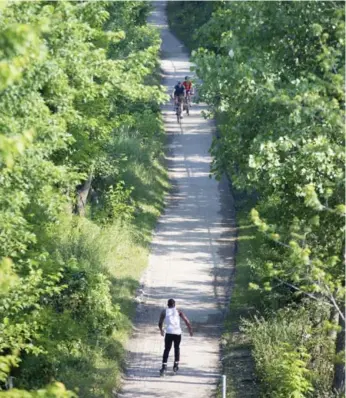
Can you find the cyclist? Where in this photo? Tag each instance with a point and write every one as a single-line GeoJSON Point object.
{"type": "Point", "coordinates": [171, 316]}
{"type": "Point", "coordinates": [187, 83]}
{"type": "Point", "coordinates": [178, 95]}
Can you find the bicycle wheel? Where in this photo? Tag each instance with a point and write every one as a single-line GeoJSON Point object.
{"type": "Point", "coordinates": [178, 114]}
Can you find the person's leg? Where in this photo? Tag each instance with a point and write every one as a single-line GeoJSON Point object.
{"type": "Point", "coordinates": [177, 103]}
{"type": "Point", "coordinates": [177, 341]}
{"type": "Point", "coordinates": [188, 98]}
{"type": "Point", "coordinates": [168, 346]}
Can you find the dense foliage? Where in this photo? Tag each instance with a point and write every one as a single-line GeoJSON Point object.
{"type": "Point", "coordinates": [273, 75]}
{"type": "Point", "coordinates": [80, 134]}
{"type": "Point", "coordinates": [186, 17]}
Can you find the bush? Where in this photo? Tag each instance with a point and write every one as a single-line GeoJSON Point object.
{"type": "Point", "coordinates": [292, 351]}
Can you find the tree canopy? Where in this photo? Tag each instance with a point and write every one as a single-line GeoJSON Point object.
{"type": "Point", "coordinates": [272, 74]}
{"type": "Point", "coordinates": [75, 79]}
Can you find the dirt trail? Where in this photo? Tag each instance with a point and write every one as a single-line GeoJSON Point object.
{"type": "Point", "coordinates": [191, 256]}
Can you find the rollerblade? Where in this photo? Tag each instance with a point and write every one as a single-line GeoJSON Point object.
{"type": "Point", "coordinates": [175, 367]}
{"type": "Point", "coordinates": [163, 370]}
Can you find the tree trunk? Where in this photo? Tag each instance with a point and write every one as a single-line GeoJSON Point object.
{"type": "Point", "coordinates": [82, 195]}
{"type": "Point", "coordinates": [339, 367]}
{"type": "Point", "coordinates": [334, 319]}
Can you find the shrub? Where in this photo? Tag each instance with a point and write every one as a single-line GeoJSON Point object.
{"type": "Point", "coordinates": [293, 353]}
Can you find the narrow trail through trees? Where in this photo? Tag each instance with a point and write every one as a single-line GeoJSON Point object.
{"type": "Point", "coordinates": [191, 256]}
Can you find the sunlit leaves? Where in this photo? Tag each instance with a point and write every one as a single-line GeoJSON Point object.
{"type": "Point", "coordinates": [279, 105]}
{"type": "Point", "coordinates": [73, 76]}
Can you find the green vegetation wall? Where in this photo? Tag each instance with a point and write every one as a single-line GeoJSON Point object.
{"type": "Point", "coordinates": [81, 185]}
{"type": "Point", "coordinates": [185, 17]}
{"type": "Point", "coordinates": [273, 75]}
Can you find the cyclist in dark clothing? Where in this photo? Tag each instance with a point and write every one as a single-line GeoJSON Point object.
{"type": "Point", "coordinates": [178, 95]}
{"type": "Point", "coordinates": [179, 89]}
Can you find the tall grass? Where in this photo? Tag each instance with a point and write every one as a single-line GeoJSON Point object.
{"type": "Point", "coordinates": [238, 363]}
{"type": "Point", "coordinates": [292, 351]}
{"type": "Point", "coordinates": [272, 346]}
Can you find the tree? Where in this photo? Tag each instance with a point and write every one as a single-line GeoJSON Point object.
{"type": "Point", "coordinates": [74, 76]}
{"type": "Point", "coordinates": [279, 102]}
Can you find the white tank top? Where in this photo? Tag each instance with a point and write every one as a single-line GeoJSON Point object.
{"type": "Point", "coordinates": [172, 321]}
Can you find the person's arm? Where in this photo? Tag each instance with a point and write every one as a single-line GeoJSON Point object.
{"type": "Point", "coordinates": [187, 322]}
{"type": "Point", "coordinates": [162, 318]}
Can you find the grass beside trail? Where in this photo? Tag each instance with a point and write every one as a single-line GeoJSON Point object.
{"type": "Point", "coordinates": [118, 252]}
{"type": "Point", "coordinates": [238, 364]}
{"type": "Point", "coordinates": [129, 256]}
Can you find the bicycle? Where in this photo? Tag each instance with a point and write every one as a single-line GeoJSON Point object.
{"type": "Point", "coordinates": [187, 105]}
{"type": "Point", "coordinates": [189, 95]}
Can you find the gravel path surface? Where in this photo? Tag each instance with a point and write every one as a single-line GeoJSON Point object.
{"type": "Point", "coordinates": [191, 257]}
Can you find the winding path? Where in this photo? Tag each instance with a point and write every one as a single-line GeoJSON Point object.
{"type": "Point", "coordinates": [191, 256]}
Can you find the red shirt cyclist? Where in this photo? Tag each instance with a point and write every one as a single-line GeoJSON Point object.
{"type": "Point", "coordinates": [187, 83]}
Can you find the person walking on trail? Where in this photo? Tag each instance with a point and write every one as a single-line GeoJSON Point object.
{"type": "Point", "coordinates": [171, 316]}
{"type": "Point", "coordinates": [178, 96]}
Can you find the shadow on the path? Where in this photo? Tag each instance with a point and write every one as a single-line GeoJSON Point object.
{"type": "Point", "coordinates": [147, 368]}
{"type": "Point", "coordinates": [193, 250]}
